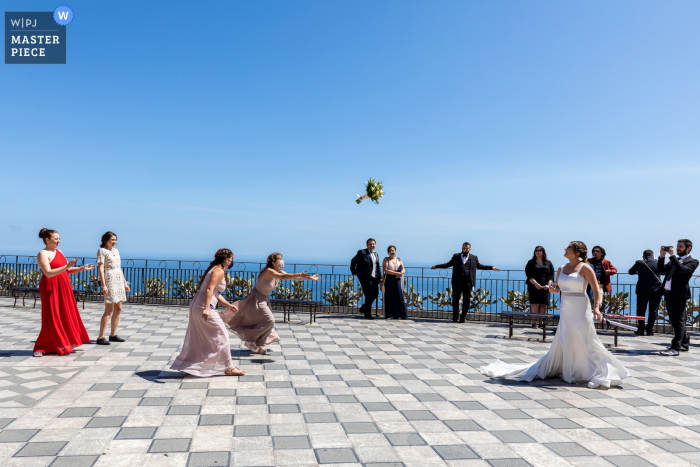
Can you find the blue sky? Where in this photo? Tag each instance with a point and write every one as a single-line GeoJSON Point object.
{"type": "Point", "coordinates": [190, 126]}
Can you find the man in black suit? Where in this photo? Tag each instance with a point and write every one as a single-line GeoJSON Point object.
{"type": "Point", "coordinates": [365, 265]}
{"type": "Point", "coordinates": [648, 290]}
{"type": "Point", "coordinates": [464, 266]}
{"type": "Point", "coordinates": [678, 273]}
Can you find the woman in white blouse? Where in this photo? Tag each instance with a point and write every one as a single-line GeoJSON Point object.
{"type": "Point", "coordinates": [114, 287]}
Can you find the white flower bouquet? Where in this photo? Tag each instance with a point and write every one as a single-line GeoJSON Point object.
{"type": "Point", "coordinates": [375, 190]}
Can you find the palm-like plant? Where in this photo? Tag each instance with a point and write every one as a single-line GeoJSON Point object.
{"type": "Point", "coordinates": [615, 304]}
{"type": "Point", "coordinates": [185, 289]}
{"type": "Point", "coordinates": [413, 298]}
{"type": "Point", "coordinates": [373, 191]}
{"type": "Point", "coordinates": [343, 294]}
{"type": "Point", "coordinates": [516, 301]}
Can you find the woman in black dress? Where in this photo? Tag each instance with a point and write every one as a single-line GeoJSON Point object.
{"type": "Point", "coordinates": [393, 305]}
{"type": "Point", "coordinates": [540, 273]}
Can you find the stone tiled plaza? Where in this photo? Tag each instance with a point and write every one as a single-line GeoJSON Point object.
{"type": "Point", "coordinates": [345, 391]}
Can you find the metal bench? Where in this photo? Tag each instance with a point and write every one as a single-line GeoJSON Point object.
{"type": "Point", "coordinates": [80, 295]}
{"type": "Point", "coordinates": [288, 306]}
{"type": "Point", "coordinates": [545, 318]}
{"type": "Point", "coordinates": [616, 323]}
{"type": "Point", "coordinates": [23, 292]}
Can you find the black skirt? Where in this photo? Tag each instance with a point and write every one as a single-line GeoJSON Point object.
{"type": "Point", "coordinates": [537, 297]}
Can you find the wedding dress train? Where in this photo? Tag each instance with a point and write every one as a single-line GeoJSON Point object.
{"type": "Point", "coordinates": [576, 353]}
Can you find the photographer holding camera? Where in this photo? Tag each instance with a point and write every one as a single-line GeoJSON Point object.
{"type": "Point", "coordinates": [678, 273]}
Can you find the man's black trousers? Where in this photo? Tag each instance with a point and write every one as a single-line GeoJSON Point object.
{"type": "Point", "coordinates": [676, 315]}
{"type": "Point", "coordinates": [459, 289]}
{"type": "Point", "coordinates": [370, 289]}
{"type": "Point", "coordinates": [653, 302]}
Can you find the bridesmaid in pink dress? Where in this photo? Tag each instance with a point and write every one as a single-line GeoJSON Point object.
{"type": "Point", "coordinates": [207, 351]}
{"type": "Point", "coordinates": [251, 318]}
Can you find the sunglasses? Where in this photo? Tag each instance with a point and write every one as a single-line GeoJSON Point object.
{"type": "Point", "coordinates": [539, 250]}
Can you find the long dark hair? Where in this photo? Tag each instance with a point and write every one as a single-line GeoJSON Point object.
{"type": "Point", "coordinates": [105, 238]}
{"type": "Point", "coordinates": [219, 257]}
{"type": "Point", "coordinates": [271, 261]}
{"type": "Point", "coordinates": [544, 254]}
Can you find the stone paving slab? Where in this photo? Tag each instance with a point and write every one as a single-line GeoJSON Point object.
{"type": "Point", "coordinates": [344, 392]}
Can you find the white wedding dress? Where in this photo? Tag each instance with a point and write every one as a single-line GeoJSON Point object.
{"type": "Point", "coordinates": [576, 353]}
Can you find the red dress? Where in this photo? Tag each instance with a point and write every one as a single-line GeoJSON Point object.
{"type": "Point", "coordinates": [61, 326]}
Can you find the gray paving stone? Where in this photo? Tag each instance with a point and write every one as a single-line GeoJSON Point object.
{"type": "Point", "coordinates": [469, 405]}
{"type": "Point", "coordinates": [628, 461]}
{"type": "Point", "coordinates": [74, 461]}
{"type": "Point", "coordinates": [194, 385]}
{"type": "Point", "coordinates": [291, 442]}
{"type": "Point", "coordinates": [308, 391]}
{"type": "Point", "coordinates": [393, 390]}
{"type": "Point", "coordinates": [329, 377]}
{"type": "Point", "coordinates": [512, 436]}
{"type": "Point", "coordinates": [184, 410]}
{"type": "Point", "coordinates": [105, 386]}
{"type": "Point", "coordinates": [359, 384]}
{"type": "Point", "coordinates": [283, 408]}
{"type": "Point", "coordinates": [405, 377]}
{"type": "Point", "coordinates": [79, 412]}
{"type": "Point", "coordinates": [251, 430]}
{"type": "Point", "coordinates": [555, 404]}
{"type": "Point", "coordinates": [359, 427]}
{"type": "Point", "coordinates": [251, 379]}
{"type": "Point", "coordinates": [561, 423]}
{"type": "Point", "coordinates": [170, 445]}
{"type": "Point", "coordinates": [637, 402]}
{"type": "Point", "coordinates": [653, 421]}
{"type": "Point", "coordinates": [224, 392]}
{"type": "Point", "coordinates": [17, 436]}
{"type": "Point", "coordinates": [378, 406]}
{"type": "Point", "coordinates": [405, 439]}
{"type": "Point", "coordinates": [672, 445]}
{"type": "Point", "coordinates": [251, 400]}
{"type": "Point", "coordinates": [155, 401]}
{"type": "Point", "coordinates": [602, 412]}
{"type": "Point", "coordinates": [455, 452]}
{"type": "Point", "coordinates": [105, 422]}
{"type": "Point", "coordinates": [613, 433]}
{"type": "Point", "coordinates": [216, 419]}
{"type": "Point", "coordinates": [336, 456]}
{"type": "Point", "coordinates": [209, 459]}
{"type": "Point", "coordinates": [278, 384]}
{"type": "Point", "coordinates": [323, 417]}
{"type": "Point", "coordinates": [569, 449]}
{"type": "Point", "coordinates": [342, 399]}
{"type": "Point", "coordinates": [6, 421]}
{"type": "Point", "coordinates": [684, 409]}
{"type": "Point", "coordinates": [428, 397]}
{"type": "Point", "coordinates": [41, 449]}
{"type": "Point", "coordinates": [129, 394]}
{"type": "Point", "coordinates": [138, 432]}
{"type": "Point", "coordinates": [514, 462]}
{"type": "Point", "coordinates": [463, 425]}
{"type": "Point", "coordinates": [414, 415]}
{"type": "Point", "coordinates": [512, 396]}
{"type": "Point", "coordinates": [511, 414]}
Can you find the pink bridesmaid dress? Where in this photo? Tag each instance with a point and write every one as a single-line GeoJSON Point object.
{"type": "Point", "coordinates": [253, 321]}
{"type": "Point", "coordinates": [206, 351]}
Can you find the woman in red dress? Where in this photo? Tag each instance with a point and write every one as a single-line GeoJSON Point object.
{"type": "Point", "coordinates": [61, 326]}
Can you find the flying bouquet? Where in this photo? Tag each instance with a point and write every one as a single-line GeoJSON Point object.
{"type": "Point", "coordinates": [375, 190]}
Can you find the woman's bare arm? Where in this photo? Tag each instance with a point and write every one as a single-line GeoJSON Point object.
{"type": "Point", "coordinates": [217, 276]}
{"type": "Point", "coordinates": [589, 275]}
{"type": "Point", "coordinates": [555, 287]}
{"type": "Point", "coordinates": [285, 276]}
{"type": "Point", "coordinates": [42, 260]}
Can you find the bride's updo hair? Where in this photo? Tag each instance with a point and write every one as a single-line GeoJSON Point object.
{"type": "Point", "coordinates": [219, 257]}
{"type": "Point", "coordinates": [580, 249]}
{"type": "Point", "coordinates": [46, 233]}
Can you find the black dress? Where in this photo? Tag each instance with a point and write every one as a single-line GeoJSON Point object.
{"type": "Point", "coordinates": [394, 304]}
{"type": "Point", "coordinates": [542, 273]}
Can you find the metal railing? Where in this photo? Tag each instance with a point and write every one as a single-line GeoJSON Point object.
{"type": "Point", "coordinates": [171, 282]}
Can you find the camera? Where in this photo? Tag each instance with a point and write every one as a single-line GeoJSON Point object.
{"type": "Point", "coordinates": [666, 248]}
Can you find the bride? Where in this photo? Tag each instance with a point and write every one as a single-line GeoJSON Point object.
{"type": "Point", "coordinates": [576, 353]}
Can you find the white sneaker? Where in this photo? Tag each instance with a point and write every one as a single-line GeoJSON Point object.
{"type": "Point", "coordinates": [38, 354]}
{"type": "Point", "coordinates": [593, 385]}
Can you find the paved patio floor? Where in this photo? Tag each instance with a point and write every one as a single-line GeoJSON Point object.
{"type": "Point", "coordinates": [345, 391]}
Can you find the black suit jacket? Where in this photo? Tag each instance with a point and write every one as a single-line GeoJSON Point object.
{"type": "Point", "coordinates": [456, 264]}
{"type": "Point", "coordinates": [361, 265]}
{"type": "Point", "coordinates": [648, 282]}
{"type": "Point", "coordinates": [681, 275]}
